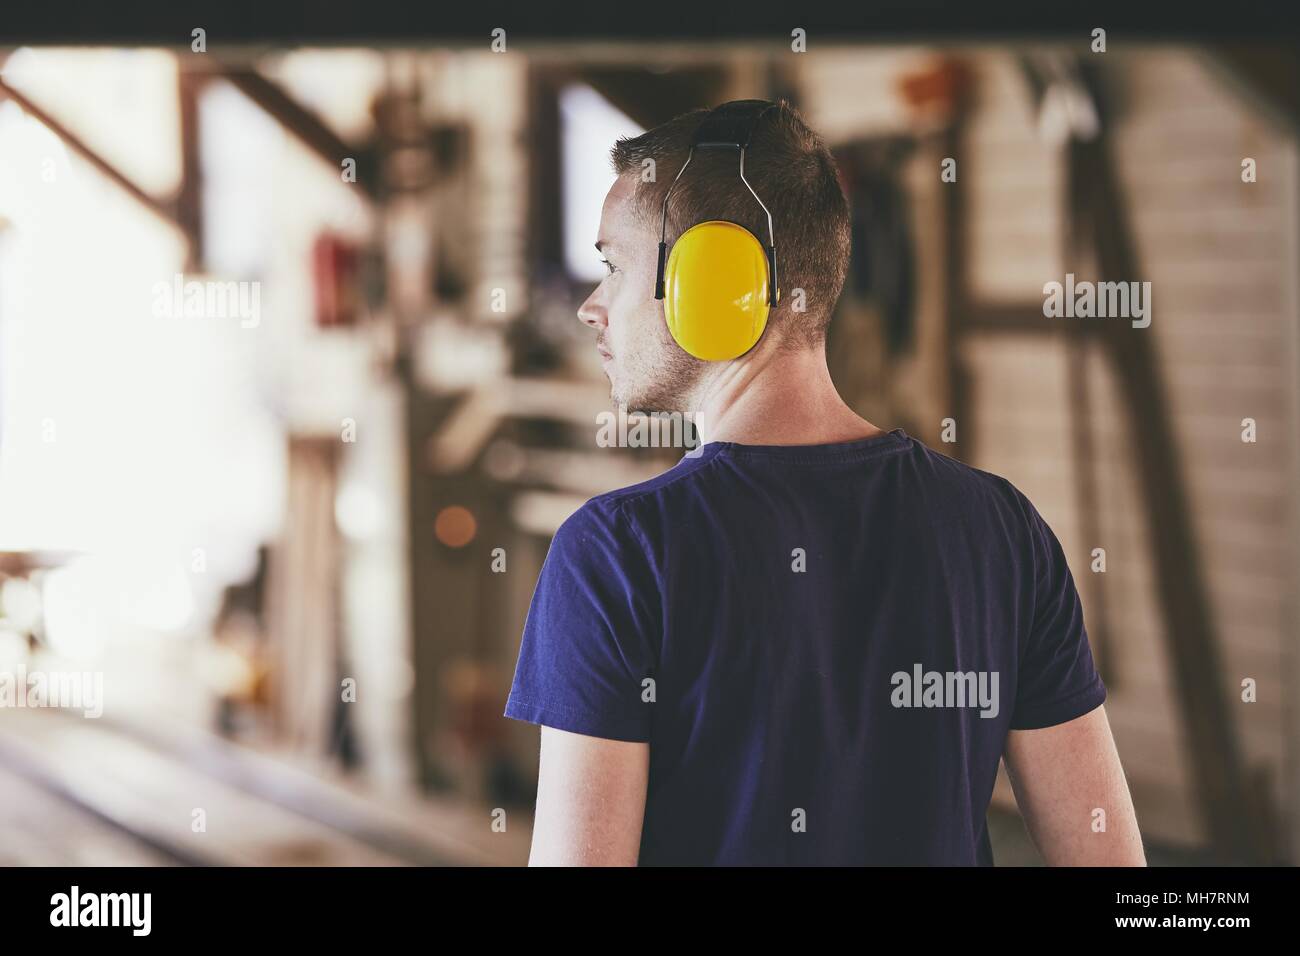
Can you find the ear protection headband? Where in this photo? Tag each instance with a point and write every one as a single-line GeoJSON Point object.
{"type": "Point", "coordinates": [719, 283]}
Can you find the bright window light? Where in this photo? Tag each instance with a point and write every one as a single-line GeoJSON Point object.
{"type": "Point", "coordinates": [589, 125]}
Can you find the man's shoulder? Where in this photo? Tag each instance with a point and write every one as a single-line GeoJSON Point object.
{"type": "Point", "coordinates": [949, 484]}
{"type": "Point", "coordinates": [612, 515]}
{"type": "Point", "coordinates": [935, 482]}
{"type": "Point", "coordinates": [673, 480]}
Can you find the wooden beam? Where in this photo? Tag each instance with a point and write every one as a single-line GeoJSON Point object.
{"type": "Point", "coordinates": [1234, 814]}
{"type": "Point", "coordinates": [189, 197]}
{"type": "Point", "coordinates": [958, 303]}
{"type": "Point", "coordinates": [1266, 76]}
{"type": "Point", "coordinates": [163, 209]}
{"type": "Point", "coordinates": [653, 98]}
{"type": "Point", "coordinates": [1016, 318]}
{"type": "Point", "coordinates": [305, 125]}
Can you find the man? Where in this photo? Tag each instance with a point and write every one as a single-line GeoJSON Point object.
{"type": "Point", "coordinates": [811, 640]}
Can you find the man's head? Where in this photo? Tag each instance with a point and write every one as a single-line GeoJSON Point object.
{"type": "Point", "coordinates": [793, 173]}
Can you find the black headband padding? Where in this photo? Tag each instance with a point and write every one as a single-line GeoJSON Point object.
{"type": "Point", "coordinates": [731, 124]}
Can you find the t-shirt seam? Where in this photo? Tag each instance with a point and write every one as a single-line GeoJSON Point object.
{"type": "Point", "coordinates": [627, 721]}
{"type": "Point", "coordinates": [647, 556]}
{"type": "Point", "coordinates": [898, 443]}
{"type": "Point", "coordinates": [1021, 501]}
{"type": "Point", "coordinates": [623, 500]}
{"type": "Point", "coordinates": [903, 442]}
{"type": "Point", "coordinates": [1035, 710]}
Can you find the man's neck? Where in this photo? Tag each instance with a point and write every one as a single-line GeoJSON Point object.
{"type": "Point", "coordinates": [772, 397]}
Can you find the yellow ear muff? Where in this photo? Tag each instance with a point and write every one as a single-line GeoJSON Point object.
{"type": "Point", "coordinates": [715, 290]}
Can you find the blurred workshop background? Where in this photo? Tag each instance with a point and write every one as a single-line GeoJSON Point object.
{"type": "Point", "coordinates": [296, 525]}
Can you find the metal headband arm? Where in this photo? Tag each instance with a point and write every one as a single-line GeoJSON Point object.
{"type": "Point", "coordinates": [663, 219]}
{"type": "Point", "coordinates": [771, 236]}
{"type": "Point", "coordinates": [663, 228]}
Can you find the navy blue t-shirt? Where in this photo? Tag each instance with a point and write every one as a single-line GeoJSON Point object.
{"type": "Point", "coordinates": [824, 645]}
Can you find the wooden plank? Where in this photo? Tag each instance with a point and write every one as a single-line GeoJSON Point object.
{"type": "Point", "coordinates": [38, 828]}
{"type": "Point", "coordinates": [1194, 649]}
{"type": "Point", "coordinates": [155, 798]}
{"type": "Point", "coordinates": [262, 809]}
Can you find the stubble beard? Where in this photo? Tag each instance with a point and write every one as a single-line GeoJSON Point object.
{"type": "Point", "coordinates": [665, 388]}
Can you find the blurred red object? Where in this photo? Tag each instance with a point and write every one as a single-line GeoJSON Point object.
{"type": "Point", "coordinates": [336, 276]}
{"type": "Point", "coordinates": [934, 92]}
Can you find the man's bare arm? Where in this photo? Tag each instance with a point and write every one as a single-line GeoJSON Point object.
{"type": "Point", "coordinates": [591, 795]}
{"type": "Point", "coordinates": [1060, 776]}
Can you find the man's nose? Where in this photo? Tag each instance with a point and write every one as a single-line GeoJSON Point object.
{"type": "Point", "coordinates": [592, 313]}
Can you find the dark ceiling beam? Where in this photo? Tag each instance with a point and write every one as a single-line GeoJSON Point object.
{"type": "Point", "coordinates": [1267, 76]}
{"type": "Point", "coordinates": [189, 196]}
{"type": "Point", "coordinates": [651, 98]}
{"type": "Point", "coordinates": [312, 131]}
{"type": "Point", "coordinates": [162, 208]}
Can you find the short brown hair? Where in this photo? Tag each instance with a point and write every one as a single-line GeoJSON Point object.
{"type": "Point", "coordinates": [793, 173]}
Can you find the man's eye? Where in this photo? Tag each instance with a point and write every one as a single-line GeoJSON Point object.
{"type": "Point", "coordinates": [609, 266]}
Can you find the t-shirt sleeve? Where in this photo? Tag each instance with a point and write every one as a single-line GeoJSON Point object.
{"type": "Point", "coordinates": [1057, 679]}
{"type": "Point", "coordinates": [589, 638]}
